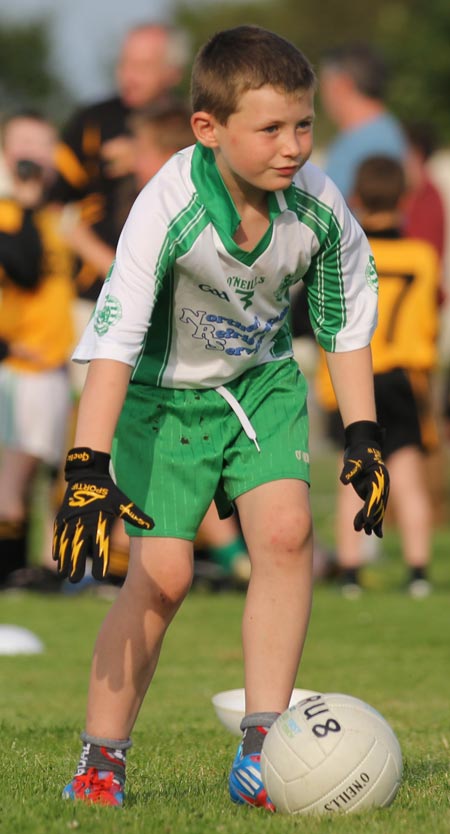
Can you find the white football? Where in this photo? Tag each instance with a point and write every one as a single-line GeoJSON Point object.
{"type": "Point", "coordinates": [18, 640]}
{"type": "Point", "coordinates": [230, 706]}
{"type": "Point", "coordinates": [331, 753]}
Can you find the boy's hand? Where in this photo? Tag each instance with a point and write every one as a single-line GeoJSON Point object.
{"type": "Point", "coordinates": [91, 504]}
{"type": "Point", "coordinates": [365, 471]}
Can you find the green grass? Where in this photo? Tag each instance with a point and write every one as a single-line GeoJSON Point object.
{"type": "Point", "coordinates": [384, 648]}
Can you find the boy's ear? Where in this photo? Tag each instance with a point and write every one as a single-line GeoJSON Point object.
{"type": "Point", "coordinates": [204, 128]}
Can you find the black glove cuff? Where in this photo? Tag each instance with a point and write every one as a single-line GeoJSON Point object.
{"type": "Point", "coordinates": [364, 431]}
{"type": "Point", "coordinates": [83, 460]}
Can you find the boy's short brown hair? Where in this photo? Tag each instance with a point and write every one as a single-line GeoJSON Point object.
{"type": "Point", "coordinates": [380, 183]}
{"type": "Point", "coordinates": [245, 58]}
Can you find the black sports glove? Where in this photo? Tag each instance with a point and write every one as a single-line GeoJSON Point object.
{"type": "Point", "coordinates": [91, 504]}
{"type": "Point", "coordinates": [365, 471]}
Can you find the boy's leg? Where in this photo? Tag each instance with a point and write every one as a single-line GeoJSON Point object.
{"type": "Point", "coordinates": [126, 654]}
{"type": "Point", "coordinates": [127, 648]}
{"type": "Point", "coordinates": [17, 471]}
{"type": "Point", "coordinates": [349, 543]}
{"type": "Point", "coordinates": [412, 506]}
{"type": "Point", "coordinates": [276, 522]}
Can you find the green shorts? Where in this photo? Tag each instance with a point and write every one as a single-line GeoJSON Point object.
{"type": "Point", "coordinates": [176, 450]}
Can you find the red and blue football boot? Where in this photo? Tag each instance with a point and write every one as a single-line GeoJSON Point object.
{"type": "Point", "coordinates": [245, 783]}
{"type": "Point", "coordinates": [99, 787]}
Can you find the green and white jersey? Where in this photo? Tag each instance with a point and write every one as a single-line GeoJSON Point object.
{"type": "Point", "coordinates": [186, 307]}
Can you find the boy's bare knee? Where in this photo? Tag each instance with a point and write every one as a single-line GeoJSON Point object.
{"type": "Point", "coordinates": [162, 588]}
{"type": "Point", "coordinates": [173, 589]}
{"type": "Point", "coordinates": [291, 531]}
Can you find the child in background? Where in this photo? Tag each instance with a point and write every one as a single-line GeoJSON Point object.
{"type": "Point", "coordinates": [193, 388]}
{"type": "Point", "coordinates": [158, 131]}
{"type": "Point", "coordinates": [36, 332]}
{"type": "Point", "coordinates": [404, 350]}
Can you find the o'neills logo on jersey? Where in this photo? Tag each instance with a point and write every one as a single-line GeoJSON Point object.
{"type": "Point", "coordinates": [344, 797]}
{"type": "Point", "coordinates": [244, 283]}
{"type": "Point", "coordinates": [245, 287]}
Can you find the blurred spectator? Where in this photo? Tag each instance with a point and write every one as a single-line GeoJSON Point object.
{"type": "Point", "coordinates": [158, 131]}
{"type": "Point", "coordinates": [424, 212]}
{"type": "Point", "coordinates": [36, 329]}
{"type": "Point", "coordinates": [95, 156]}
{"type": "Point", "coordinates": [404, 349]}
{"type": "Point", "coordinates": [353, 80]}
{"type": "Point", "coordinates": [446, 405]}
{"type": "Point", "coordinates": [425, 218]}
{"type": "Point", "coordinates": [95, 161]}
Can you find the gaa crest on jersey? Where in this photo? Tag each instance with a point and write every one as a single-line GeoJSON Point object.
{"type": "Point", "coordinates": [108, 315]}
{"type": "Point", "coordinates": [371, 274]}
{"type": "Point", "coordinates": [281, 294]}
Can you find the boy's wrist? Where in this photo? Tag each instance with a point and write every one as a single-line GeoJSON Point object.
{"type": "Point", "coordinates": [363, 431]}
{"type": "Point", "coordinates": [84, 459]}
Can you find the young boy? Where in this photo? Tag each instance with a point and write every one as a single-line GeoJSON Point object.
{"type": "Point", "coordinates": [404, 350]}
{"type": "Point", "coordinates": [193, 384]}
{"type": "Point", "coordinates": [36, 337]}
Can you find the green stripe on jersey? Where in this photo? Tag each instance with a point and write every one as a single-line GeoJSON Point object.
{"type": "Point", "coordinates": [181, 235]}
{"type": "Point", "coordinates": [324, 278]}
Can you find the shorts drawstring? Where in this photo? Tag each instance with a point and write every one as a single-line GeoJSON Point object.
{"type": "Point", "coordinates": [240, 413]}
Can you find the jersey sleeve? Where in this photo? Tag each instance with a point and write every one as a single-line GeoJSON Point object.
{"type": "Point", "coordinates": [342, 283]}
{"type": "Point", "coordinates": [122, 316]}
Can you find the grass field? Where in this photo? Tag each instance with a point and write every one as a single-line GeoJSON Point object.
{"type": "Point", "coordinates": [384, 648]}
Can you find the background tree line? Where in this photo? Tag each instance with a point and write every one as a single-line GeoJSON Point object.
{"type": "Point", "coordinates": [414, 37]}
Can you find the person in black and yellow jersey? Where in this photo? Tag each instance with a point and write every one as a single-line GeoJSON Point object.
{"type": "Point", "coordinates": [36, 329]}
{"type": "Point", "coordinates": [404, 351]}
{"type": "Point", "coordinates": [94, 158]}
{"type": "Point", "coordinates": [95, 161]}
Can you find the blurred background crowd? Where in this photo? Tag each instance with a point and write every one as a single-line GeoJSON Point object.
{"type": "Point", "coordinates": [90, 110]}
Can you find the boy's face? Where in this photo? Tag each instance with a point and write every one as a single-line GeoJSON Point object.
{"type": "Point", "coordinates": [143, 70]}
{"type": "Point", "coordinates": [29, 147]}
{"type": "Point", "coordinates": [267, 140]}
{"type": "Point", "coordinates": [30, 139]}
